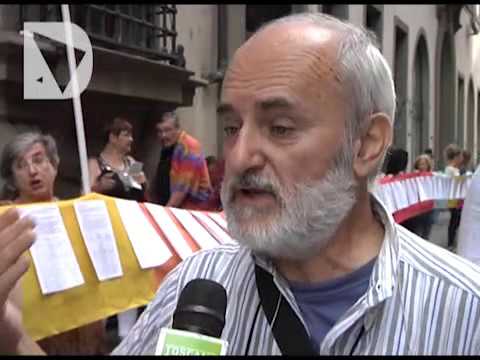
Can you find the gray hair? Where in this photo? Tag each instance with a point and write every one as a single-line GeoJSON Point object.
{"type": "Point", "coordinates": [21, 143]}
{"type": "Point", "coordinates": [170, 115]}
{"type": "Point", "coordinates": [362, 66]}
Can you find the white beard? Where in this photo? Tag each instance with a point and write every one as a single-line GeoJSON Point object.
{"type": "Point", "coordinates": [305, 220]}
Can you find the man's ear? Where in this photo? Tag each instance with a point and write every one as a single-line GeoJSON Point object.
{"type": "Point", "coordinates": [371, 147]}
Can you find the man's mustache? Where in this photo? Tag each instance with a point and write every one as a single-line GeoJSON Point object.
{"type": "Point", "coordinates": [251, 182]}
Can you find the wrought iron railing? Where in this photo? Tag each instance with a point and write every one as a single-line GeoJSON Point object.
{"type": "Point", "coordinates": [147, 30]}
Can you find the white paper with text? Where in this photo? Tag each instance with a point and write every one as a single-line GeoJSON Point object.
{"type": "Point", "coordinates": [55, 263]}
{"type": "Point", "coordinates": [97, 233]}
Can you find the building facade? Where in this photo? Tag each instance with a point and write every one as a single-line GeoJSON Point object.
{"type": "Point", "coordinates": [432, 49]}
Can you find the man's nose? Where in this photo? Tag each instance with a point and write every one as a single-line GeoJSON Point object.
{"type": "Point", "coordinates": [247, 151]}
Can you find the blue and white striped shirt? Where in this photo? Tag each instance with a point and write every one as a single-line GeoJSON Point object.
{"type": "Point", "coordinates": [421, 299]}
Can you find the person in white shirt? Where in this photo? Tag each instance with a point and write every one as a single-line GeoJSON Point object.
{"type": "Point", "coordinates": [469, 230]}
{"type": "Point", "coordinates": [454, 159]}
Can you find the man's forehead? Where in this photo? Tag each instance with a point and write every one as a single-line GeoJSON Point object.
{"type": "Point", "coordinates": [301, 50]}
{"type": "Point", "coordinates": [304, 70]}
{"type": "Point", "coordinates": [270, 101]}
{"type": "Point", "coordinates": [289, 38]}
{"type": "Point", "coordinates": [167, 122]}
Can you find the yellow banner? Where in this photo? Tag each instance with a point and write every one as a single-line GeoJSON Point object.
{"type": "Point", "coordinates": [46, 315]}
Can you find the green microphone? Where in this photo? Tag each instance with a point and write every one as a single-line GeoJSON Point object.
{"type": "Point", "coordinates": [198, 321]}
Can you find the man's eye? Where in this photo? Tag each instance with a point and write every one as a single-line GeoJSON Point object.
{"type": "Point", "coordinates": [280, 130]}
{"type": "Point", "coordinates": [230, 130]}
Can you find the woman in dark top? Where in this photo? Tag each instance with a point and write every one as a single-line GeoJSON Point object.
{"type": "Point", "coordinates": [114, 172]}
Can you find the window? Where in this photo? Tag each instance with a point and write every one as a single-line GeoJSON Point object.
{"type": "Point", "coordinates": [146, 29]}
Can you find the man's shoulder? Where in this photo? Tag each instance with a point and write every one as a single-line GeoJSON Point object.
{"type": "Point", "coordinates": [438, 263]}
{"type": "Point", "coordinates": [230, 251]}
{"type": "Point", "coordinates": [190, 143]}
{"type": "Point", "coordinates": [218, 264]}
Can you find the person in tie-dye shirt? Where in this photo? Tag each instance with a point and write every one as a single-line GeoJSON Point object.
{"type": "Point", "coordinates": [182, 178]}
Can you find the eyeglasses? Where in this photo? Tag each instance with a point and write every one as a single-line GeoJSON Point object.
{"type": "Point", "coordinates": [38, 161]}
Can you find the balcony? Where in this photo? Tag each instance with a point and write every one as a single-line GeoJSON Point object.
{"type": "Point", "coordinates": [134, 52]}
{"type": "Point", "coordinates": [146, 30]}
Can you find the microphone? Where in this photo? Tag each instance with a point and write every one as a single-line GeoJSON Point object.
{"type": "Point", "coordinates": [198, 321]}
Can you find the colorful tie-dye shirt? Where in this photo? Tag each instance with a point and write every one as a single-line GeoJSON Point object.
{"type": "Point", "coordinates": [189, 172]}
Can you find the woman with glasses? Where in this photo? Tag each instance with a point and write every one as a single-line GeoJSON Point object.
{"type": "Point", "coordinates": [29, 165]}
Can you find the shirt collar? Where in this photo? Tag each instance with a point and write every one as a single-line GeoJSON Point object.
{"type": "Point", "coordinates": [384, 274]}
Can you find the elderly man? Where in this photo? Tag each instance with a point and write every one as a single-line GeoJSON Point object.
{"type": "Point", "coordinates": [182, 178]}
{"type": "Point", "coordinates": [341, 276]}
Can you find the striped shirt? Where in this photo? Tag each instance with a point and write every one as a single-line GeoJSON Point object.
{"type": "Point", "coordinates": [421, 299]}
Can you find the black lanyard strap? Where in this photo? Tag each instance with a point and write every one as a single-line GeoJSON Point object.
{"type": "Point", "coordinates": [288, 330]}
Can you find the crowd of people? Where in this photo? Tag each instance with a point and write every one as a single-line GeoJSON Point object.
{"type": "Point", "coordinates": [29, 167]}
{"type": "Point", "coordinates": [316, 249]}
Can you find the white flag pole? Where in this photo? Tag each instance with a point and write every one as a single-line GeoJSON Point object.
{"type": "Point", "coordinates": [77, 105]}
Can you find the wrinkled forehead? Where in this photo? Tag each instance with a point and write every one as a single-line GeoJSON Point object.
{"type": "Point", "coordinates": [302, 55]}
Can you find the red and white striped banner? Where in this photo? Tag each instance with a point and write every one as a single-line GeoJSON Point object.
{"type": "Point", "coordinates": [410, 194]}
